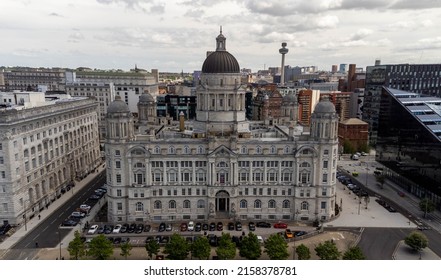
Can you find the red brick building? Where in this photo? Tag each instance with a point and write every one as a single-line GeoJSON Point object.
{"type": "Point", "coordinates": [353, 132]}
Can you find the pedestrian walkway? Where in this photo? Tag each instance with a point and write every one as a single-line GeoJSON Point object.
{"type": "Point", "coordinates": [21, 231]}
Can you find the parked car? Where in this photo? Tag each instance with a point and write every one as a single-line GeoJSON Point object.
{"type": "Point", "coordinates": [131, 228]}
{"type": "Point", "coordinates": [117, 240]}
{"type": "Point", "coordinates": [183, 227]}
{"type": "Point", "coordinates": [78, 215]}
{"type": "Point", "coordinates": [263, 224]}
{"type": "Point", "coordinates": [117, 228]}
{"type": "Point", "coordinates": [238, 226]}
{"type": "Point", "coordinates": [93, 229]}
{"type": "Point", "coordinates": [198, 227]}
{"type": "Point", "coordinates": [147, 228]}
{"type": "Point", "coordinates": [94, 197]}
{"type": "Point", "coordinates": [168, 227]}
{"type": "Point", "coordinates": [161, 227]}
{"type": "Point", "coordinates": [204, 226]}
{"type": "Point", "coordinates": [251, 226]}
{"type": "Point", "coordinates": [220, 226]}
{"type": "Point", "coordinates": [85, 207]}
{"type": "Point", "coordinates": [139, 228]}
{"type": "Point", "coordinates": [289, 233]}
{"type": "Point", "coordinates": [69, 223]}
{"type": "Point", "coordinates": [212, 226]}
{"type": "Point", "coordinates": [280, 225]}
{"type": "Point", "coordinates": [230, 226]}
{"type": "Point", "coordinates": [260, 239]}
{"type": "Point", "coordinates": [108, 229]}
{"type": "Point", "coordinates": [100, 230]}
{"type": "Point", "coordinates": [124, 228]}
{"type": "Point", "coordinates": [190, 226]}
{"type": "Point", "coordinates": [125, 240]}
{"type": "Point", "coordinates": [300, 233]}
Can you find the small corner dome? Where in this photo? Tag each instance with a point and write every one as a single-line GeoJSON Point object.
{"type": "Point", "coordinates": [146, 97]}
{"type": "Point", "coordinates": [118, 106]}
{"type": "Point", "coordinates": [325, 106]}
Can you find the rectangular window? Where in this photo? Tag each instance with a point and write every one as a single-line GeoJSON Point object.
{"type": "Point", "coordinates": [260, 191]}
{"type": "Point", "coordinates": [1, 160]}
{"type": "Point", "coordinates": [323, 191]}
{"type": "Point", "coordinates": [323, 205]}
{"type": "Point", "coordinates": [289, 192]}
{"type": "Point", "coordinates": [246, 191]}
{"type": "Point", "coordinates": [268, 191]}
{"type": "Point", "coordinates": [3, 174]}
{"type": "Point", "coordinates": [118, 178]}
{"type": "Point", "coordinates": [119, 206]}
{"type": "Point", "coordinates": [183, 191]}
{"type": "Point", "coordinates": [325, 178]}
{"type": "Point", "coordinates": [117, 164]}
{"type": "Point", "coordinates": [254, 191]}
{"type": "Point", "coordinates": [325, 164]}
{"type": "Point", "coordinates": [244, 177]}
{"type": "Point", "coordinates": [117, 153]}
{"type": "Point", "coordinates": [119, 192]}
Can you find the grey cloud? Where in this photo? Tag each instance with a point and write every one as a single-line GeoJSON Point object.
{"type": "Point", "coordinates": [53, 14]}
{"type": "Point", "coordinates": [360, 34]}
{"type": "Point", "coordinates": [75, 37]}
{"type": "Point", "coordinates": [159, 8]}
{"type": "Point", "coordinates": [143, 5]}
{"type": "Point", "coordinates": [416, 5]}
{"type": "Point", "coordinates": [424, 44]}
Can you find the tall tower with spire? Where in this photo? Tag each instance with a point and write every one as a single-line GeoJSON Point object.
{"type": "Point", "coordinates": [283, 51]}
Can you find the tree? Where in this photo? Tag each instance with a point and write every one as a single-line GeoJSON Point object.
{"type": "Point", "coordinates": [303, 252]}
{"type": "Point", "coordinates": [201, 248]}
{"type": "Point", "coordinates": [100, 248]}
{"type": "Point", "coordinates": [427, 206]}
{"type": "Point", "coordinates": [126, 247]}
{"type": "Point", "coordinates": [276, 247]}
{"type": "Point", "coordinates": [327, 251]}
{"type": "Point", "coordinates": [177, 248]}
{"type": "Point", "coordinates": [152, 247]}
{"type": "Point", "coordinates": [348, 147]}
{"type": "Point", "coordinates": [76, 248]}
{"type": "Point", "coordinates": [417, 241]}
{"type": "Point", "coordinates": [250, 247]}
{"type": "Point", "coordinates": [354, 253]}
{"type": "Point", "coordinates": [226, 249]}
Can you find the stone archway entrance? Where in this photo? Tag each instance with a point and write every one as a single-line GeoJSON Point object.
{"type": "Point", "coordinates": [222, 205]}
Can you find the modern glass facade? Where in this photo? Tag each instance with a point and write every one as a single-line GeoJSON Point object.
{"type": "Point", "coordinates": [409, 141]}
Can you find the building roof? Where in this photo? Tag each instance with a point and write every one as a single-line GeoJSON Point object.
{"type": "Point", "coordinates": [353, 121]}
{"type": "Point", "coordinates": [220, 61]}
{"type": "Point", "coordinates": [324, 106]}
{"type": "Point", "coordinates": [146, 97]}
{"type": "Point", "coordinates": [118, 106]}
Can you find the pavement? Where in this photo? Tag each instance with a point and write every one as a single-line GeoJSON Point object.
{"type": "Point", "coordinates": [355, 213]}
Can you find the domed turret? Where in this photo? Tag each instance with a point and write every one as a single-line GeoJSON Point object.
{"type": "Point", "coordinates": [117, 106]}
{"type": "Point", "coordinates": [325, 106]}
{"type": "Point", "coordinates": [324, 121]}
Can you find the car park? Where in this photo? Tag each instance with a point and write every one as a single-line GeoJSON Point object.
{"type": "Point", "coordinates": [117, 228]}
{"type": "Point", "coordinates": [238, 226]}
{"type": "Point", "coordinates": [212, 239]}
{"type": "Point", "coordinates": [93, 229]}
{"type": "Point", "coordinates": [220, 226]}
{"type": "Point", "coordinates": [263, 225]}
{"type": "Point", "coordinates": [183, 227]}
{"type": "Point", "coordinates": [251, 226]}
{"type": "Point", "coordinates": [190, 226]}
{"type": "Point", "coordinates": [204, 226]}
{"type": "Point", "coordinates": [108, 229]}
{"type": "Point", "coordinates": [280, 225]}
{"type": "Point", "coordinates": [132, 228]}
{"type": "Point", "coordinates": [100, 229]}
{"type": "Point", "coordinates": [230, 226]}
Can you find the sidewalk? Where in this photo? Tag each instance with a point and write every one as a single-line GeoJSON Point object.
{"type": "Point", "coordinates": [32, 223]}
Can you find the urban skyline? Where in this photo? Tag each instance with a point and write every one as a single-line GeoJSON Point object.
{"type": "Point", "coordinates": [173, 36]}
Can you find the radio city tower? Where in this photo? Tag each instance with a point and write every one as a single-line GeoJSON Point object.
{"type": "Point", "coordinates": [283, 51]}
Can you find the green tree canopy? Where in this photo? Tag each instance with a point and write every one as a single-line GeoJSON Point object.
{"type": "Point", "coordinates": [201, 248]}
{"type": "Point", "coordinates": [76, 248]}
{"type": "Point", "coordinates": [327, 251]}
{"type": "Point", "coordinates": [427, 206]}
{"type": "Point", "coordinates": [152, 247]}
{"type": "Point", "coordinates": [354, 253]}
{"type": "Point", "coordinates": [250, 247]}
{"type": "Point", "coordinates": [226, 249]}
{"type": "Point", "coordinates": [177, 248]}
{"type": "Point", "coordinates": [417, 241]}
{"type": "Point", "coordinates": [126, 247]}
{"type": "Point", "coordinates": [303, 252]}
{"type": "Point", "coordinates": [100, 248]}
{"type": "Point", "coordinates": [276, 247]}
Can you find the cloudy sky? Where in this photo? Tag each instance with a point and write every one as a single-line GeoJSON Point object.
{"type": "Point", "coordinates": [174, 35]}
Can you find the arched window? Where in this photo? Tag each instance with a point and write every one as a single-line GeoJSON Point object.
{"type": "Point", "coordinates": [157, 204]}
{"type": "Point", "coordinates": [186, 150]}
{"type": "Point", "coordinates": [186, 204]}
{"type": "Point", "coordinates": [172, 150]}
{"type": "Point", "coordinates": [172, 204]}
{"type": "Point", "coordinates": [272, 204]}
{"type": "Point", "coordinates": [257, 204]}
{"type": "Point", "coordinates": [244, 150]}
{"type": "Point", "coordinates": [201, 150]}
{"type": "Point", "coordinates": [201, 203]}
{"type": "Point", "coordinates": [273, 150]}
{"type": "Point", "coordinates": [286, 204]}
{"type": "Point", "coordinates": [139, 207]}
{"type": "Point", "coordinates": [243, 204]}
{"type": "Point", "coordinates": [304, 205]}
{"type": "Point", "coordinates": [157, 150]}
{"type": "Point", "coordinates": [286, 150]}
{"type": "Point", "coordinates": [258, 150]}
